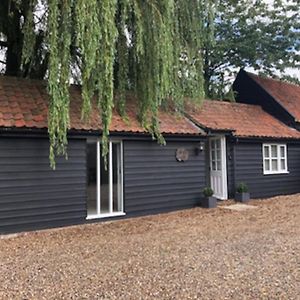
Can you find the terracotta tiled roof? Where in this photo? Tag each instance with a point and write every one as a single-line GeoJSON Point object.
{"type": "Point", "coordinates": [287, 94]}
{"type": "Point", "coordinates": [242, 119]}
{"type": "Point", "coordinates": [24, 104]}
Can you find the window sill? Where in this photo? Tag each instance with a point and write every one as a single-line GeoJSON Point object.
{"type": "Point", "coordinates": [103, 216]}
{"type": "Point", "coordinates": [276, 173]}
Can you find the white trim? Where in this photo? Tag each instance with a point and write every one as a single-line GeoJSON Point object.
{"type": "Point", "coordinates": [102, 216]}
{"type": "Point", "coordinates": [98, 190]}
{"type": "Point", "coordinates": [111, 213]}
{"type": "Point", "coordinates": [110, 170]}
{"type": "Point", "coordinates": [278, 158]}
{"type": "Point", "coordinates": [224, 166]}
{"type": "Point", "coordinates": [223, 170]}
{"type": "Point", "coordinates": [121, 187]}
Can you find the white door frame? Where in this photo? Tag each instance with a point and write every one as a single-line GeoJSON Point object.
{"type": "Point", "coordinates": [111, 213]}
{"type": "Point", "coordinates": [223, 195]}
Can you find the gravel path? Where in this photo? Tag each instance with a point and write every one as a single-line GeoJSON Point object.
{"type": "Point", "coordinates": [192, 254]}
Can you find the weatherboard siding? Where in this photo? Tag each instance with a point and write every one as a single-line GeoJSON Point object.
{"type": "Point", "coordinates": [154, 181]}
{"type": "Point", "coordinates": [230, 168]}
{"type": "Point", "coordinates": [32, 195]}
{"type": "Point", "coordinates": [249, 169]}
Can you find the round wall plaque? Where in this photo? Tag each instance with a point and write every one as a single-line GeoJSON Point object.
{"type": "Point", "coordinates": [182, 154]}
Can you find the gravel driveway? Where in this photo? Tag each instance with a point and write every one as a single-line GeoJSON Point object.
{"type": "Point", "coordinates": [192, 254]}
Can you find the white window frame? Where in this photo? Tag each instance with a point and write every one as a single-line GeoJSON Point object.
{"type": "Point", "coordinates": [278, 158]}
{"type": "Point", "coordinates": [98, 214]}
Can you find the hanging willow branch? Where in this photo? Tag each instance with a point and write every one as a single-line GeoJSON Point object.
{"type": "Point", "coordinates": [29, 34]}
{"type": "Point", "coordinates": [59, 24]}
{"type": "Point", "coordinates": [152, 47]}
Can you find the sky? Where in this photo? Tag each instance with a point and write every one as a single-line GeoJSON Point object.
{"type": "Point", "coordinates": [290, 71]}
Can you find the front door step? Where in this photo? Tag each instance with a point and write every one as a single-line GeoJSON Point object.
{"type": "Point", "coordinates": [239, 207]}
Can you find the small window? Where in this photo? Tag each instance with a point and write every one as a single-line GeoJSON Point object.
{"type": "Point", "coordinates": [275, 158]}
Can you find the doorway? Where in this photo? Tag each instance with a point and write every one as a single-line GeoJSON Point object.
{"type": "Point", "coordinates": [104, 182]}
{"type": "Point", "coordinates": [218, 166]}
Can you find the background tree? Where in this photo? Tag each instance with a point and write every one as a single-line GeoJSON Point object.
{"type": "Point", "coordinates": [249, 34]}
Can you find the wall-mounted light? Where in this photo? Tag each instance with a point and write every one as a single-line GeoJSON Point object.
{"type": "Point", "coordinates": [200, 148]}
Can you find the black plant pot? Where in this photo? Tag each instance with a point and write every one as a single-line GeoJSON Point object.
{"type": "Point", "coordinates": [242, 197]}
{"type": "Point", "coordinates": [209, 202]}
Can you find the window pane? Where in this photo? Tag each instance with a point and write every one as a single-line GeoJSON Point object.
{"type": "Point", "coordinates": [213, 144]}
{"type": "Point", "coordinates": [218, 154]}
{"type": "Point", "coordinates": [219, 167]}
{"type": "Point", "coordinates": [266, 151]}
{"type": "Point", "coordinates": [282, 151]}
{"type": "Point", "coordinates": [274, 151]}
{"type": "Point", "coordinates": [274, 165]}
{"type": "Point", "coordinates": [213, 165]}
{"type": "Point", "coordinates": [218, 144]}
{"type": "Point", "coordinates": [267, 165]}
{"type": "Point", "coordinates": [213, 155]}
{"type": "Point", "coordinates": [282, 164]}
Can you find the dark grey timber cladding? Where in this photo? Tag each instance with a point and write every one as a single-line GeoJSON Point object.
{"type": "Point", "coordinates": [230, 168]}
{"type": "Point", "coordinates": [155, 181]}
{"type": "Point", "coordinates": [249, 169]}
{"type": "Point", "coordinates": [33, 196]}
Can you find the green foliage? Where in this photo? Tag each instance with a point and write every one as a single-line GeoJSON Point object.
{"type": "Point", "coordinates": [242, 188]}
{"type": "Point", "coordinates": [59, 25]}
{"type": "Point", "coordinates": [208, 192]}
{"type": "Point", "coordinates": [159, 50]}
{"type": "Point", "coordinates": [249, 34]}
{"type": "Point", "coordinates": [150, 47]}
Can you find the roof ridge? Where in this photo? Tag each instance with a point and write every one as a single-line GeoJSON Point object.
{"type": "Point", "coordinates": [232, 103]}
{"type": "Point", "coordinates": [9, 78]}
{"type": "Point", "coordinates": [273, 79]}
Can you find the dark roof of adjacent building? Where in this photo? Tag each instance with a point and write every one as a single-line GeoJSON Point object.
{"type": "Point", "coordinates": [24, 104]}
{"type": "Point", "coordinates": [286, 94]}
{"type": "Point", "coordinates": [243, 120]}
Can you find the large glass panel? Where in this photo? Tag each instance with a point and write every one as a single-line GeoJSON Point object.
{"type": "Point", "coordinates": [104, 186]}
{"type": "Point", "coordinates": [117, 177]}
{"type": "Point", "coordinates": [92, 177]}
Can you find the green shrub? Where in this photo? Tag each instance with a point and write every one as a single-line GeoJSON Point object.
{"type": "Point", "coordinates": [242, 188]}
{"type": "Point", "coordinates": [208, 192]}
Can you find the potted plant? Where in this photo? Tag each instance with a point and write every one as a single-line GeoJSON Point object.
{"type": "Point", "coordinates": [242, 193]}
{"type": "Point", "coordinates": [209, 201]}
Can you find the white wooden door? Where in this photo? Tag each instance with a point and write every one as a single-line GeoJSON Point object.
{"type": "Point", "coordinates": [218, 169]}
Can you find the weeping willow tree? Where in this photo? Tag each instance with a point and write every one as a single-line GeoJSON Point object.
{"type": "Point", "coordinates": [151, 47]}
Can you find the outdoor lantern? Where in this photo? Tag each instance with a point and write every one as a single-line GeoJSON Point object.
{"type": "Point", "coordinates": [200, 147]}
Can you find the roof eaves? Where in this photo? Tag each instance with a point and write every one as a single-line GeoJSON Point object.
{"type": "Point", "coordinates": [207, 129]}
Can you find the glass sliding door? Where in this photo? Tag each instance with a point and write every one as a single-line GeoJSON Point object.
{"type": "Point", "coordinates": [106, 199]}
{"type": "Point", "coordinates": [117, 177]}
{"type": "Point", "coordinates": [92, 177]}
